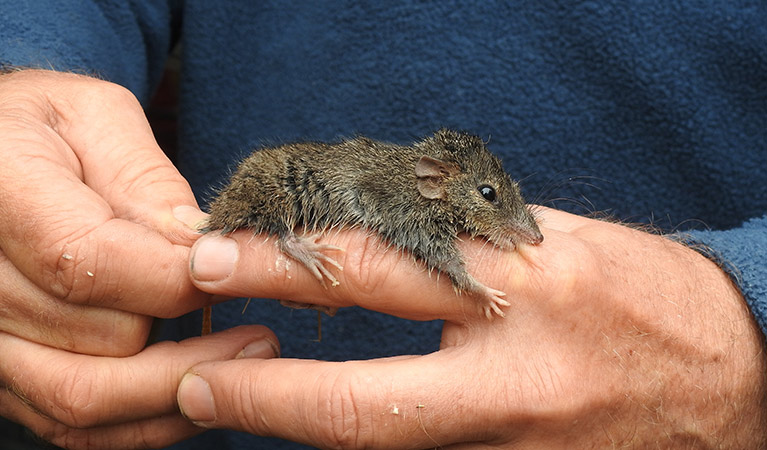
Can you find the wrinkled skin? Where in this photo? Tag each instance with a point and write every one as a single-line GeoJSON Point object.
{"type": "Point", "coordinates": [615, 339]}
{"type": "Point", "coordinates": [85, 196]}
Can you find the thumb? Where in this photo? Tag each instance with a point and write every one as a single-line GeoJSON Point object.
{"type": "Point", "coordinates": [398, 402]}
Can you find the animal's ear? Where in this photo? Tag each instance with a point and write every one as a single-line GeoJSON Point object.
{"type": "Point", "coordinates": [433, 167]}
{"type": "Point", "coordinates": [431, 174]}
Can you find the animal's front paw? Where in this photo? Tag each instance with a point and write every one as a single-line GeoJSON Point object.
{"type": "Point", "coordinates": [493, 302]}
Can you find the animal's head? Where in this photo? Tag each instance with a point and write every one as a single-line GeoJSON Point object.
{"type": "Point", "coordinates": [458, 169]}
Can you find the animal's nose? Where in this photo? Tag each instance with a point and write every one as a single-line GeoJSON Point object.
{"type": "Point", "coordinates": [536, 237]}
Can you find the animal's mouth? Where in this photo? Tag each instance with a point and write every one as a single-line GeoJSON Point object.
{"type": "Point", "coordinates": [511, 237]}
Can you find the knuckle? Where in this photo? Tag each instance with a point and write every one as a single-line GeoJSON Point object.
{"type": "Point", "coordinates": [129, 334]}
{"type": "Point", "coordinates": [368, 265]}
{"type": "Point", "coordinates": [137, 435]}
{"type": "Point", "coordinates": [574, 278]}
{"type": "Point", "coordinates": [60, 435]}
{"type": "Point", "coordinates": [350, 419]}
{"type": "Point", "coordinates": [101, 90]}
{"type": "Point", "coordinates": [87, 439]}
{"type": "Point", "coordinates": [118, 335]}
{"type": "Point", "coordinates": [75, 398]}
{"type": "Point", "coordinates": [72, 439]}
{"type": "Point", "coordinates": [139, 177]}
{"type": "Point", "coordinates": [72, 270]}
{"type": "Point", "coordinates": [243, 405]}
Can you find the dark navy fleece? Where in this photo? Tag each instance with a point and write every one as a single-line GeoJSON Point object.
{"type": "Point", "coordinates": [654, 111]}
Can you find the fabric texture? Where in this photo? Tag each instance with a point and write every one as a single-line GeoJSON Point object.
{"type": "Point", "coordinates": [653, 111]}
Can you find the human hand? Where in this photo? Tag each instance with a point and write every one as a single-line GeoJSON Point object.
{"type": "Point", "coordinates": [89, 249]}
{"type": "Point", "coordinates": [81, 402]}
{"type": "Point", "coordinates": [89, 246]}
{"type": "Point", "coordinates": [615, 338]}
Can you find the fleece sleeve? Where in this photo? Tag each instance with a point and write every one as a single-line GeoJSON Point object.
{"type": "Point", "coordinates": [122, 41]}
{"type": "Point", "coordinates": [742, 252]}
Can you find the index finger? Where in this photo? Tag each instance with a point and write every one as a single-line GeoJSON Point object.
{"type": "Point", "coordinates": [374, 276]}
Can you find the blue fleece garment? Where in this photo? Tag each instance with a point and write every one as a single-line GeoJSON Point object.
{"type": "Point", "coordinates": [653, 111]}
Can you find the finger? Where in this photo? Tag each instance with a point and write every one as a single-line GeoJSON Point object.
{"type": "Point", "coordinates": [82, 391]}
{"type": "Point", "coordinates": [380, 278]}
{"type": "Point", "coordinates": [30, 313]}
{"type": "Point", "coordinates": [115, 264]}
{"type": "Point", "coordinates": [93, 125]}
{"type": "Point", "coordinates": [68, 239]}
{"type": "Point", "coordinates": [105, 126]}
{"type": "Point", "coordinates": [392, 403]}
{"type": "Point", "coordinates": [374, 276]}
{"type": "Point", "coordinates": [157, 432]}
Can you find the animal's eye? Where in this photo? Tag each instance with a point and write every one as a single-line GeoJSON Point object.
{"type": "Point", "coordinates": [488, 192]}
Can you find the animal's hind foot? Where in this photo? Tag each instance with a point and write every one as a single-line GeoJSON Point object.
{"type": "Point", "coordinates": [308, 252]}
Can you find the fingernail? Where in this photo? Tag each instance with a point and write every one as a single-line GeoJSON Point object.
{"type": "Point", "coordinates": [195, 400]}
{"type": "Point", "coordinates": [189, 216]}
{"type": "Point", "coordinates": [214, 258]}
{"type": "Point", "coordinates": [262, 348]}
